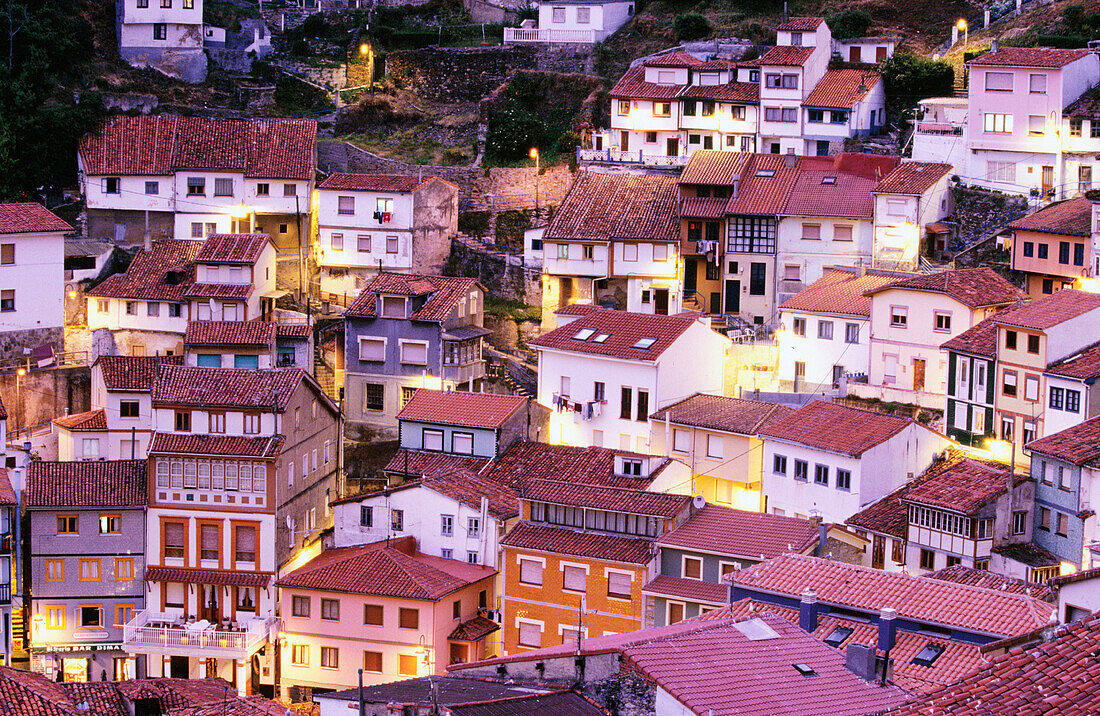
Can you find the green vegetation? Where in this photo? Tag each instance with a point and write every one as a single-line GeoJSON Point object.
{"type": "Point", "coordinates": [691, 26]}
{"type": "Point", "coordinates": [847, 24]}
{"type": "Point", "coordinates": [227, 15]}
{"type": "Point", "coordinates": [504, 308]}
{"type": "Point", "coordinates": [474, 223]}
{"type": "Point", "coordinates": [909, 79]}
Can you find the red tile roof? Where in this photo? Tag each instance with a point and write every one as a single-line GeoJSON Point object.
{"type": "Point", "coordinates": [1076, 445]}
{"type": "Point", "coordinates": [525, 461]}
{"type": "Point", "coordinates": [220, 445]}
{"type": "Point", "coordinates": [836, 428]}
{"type": "Point", "coordinates": [163, 273]}
{"type": "Point", "coordinates": [263, 389]}
{"type": "Point", "coordinates": [1051, 310]}
{"type": "Point", "coordinates": [1067, 218]}
{"type": "Point", "coordinates": [593, 545]}
{"type": "Point", "coordinates": [396, 570]}
{"type": "Point", "coordinates": [962, 484]}
{"type": "Point", "coordinates": [601, 497]}
{"type": "Point", "coordinates": [159, 145]}
{"type": "Point", "coordinates": [239, 291]}
{"type": "Point", "coordinates": [1083, 365]}
{"type": "Point", "coordinates": [477, 410]}
{"type": "Point", "coordinates": [1027, 553]}
{"type": "Point", "coordinates": [841, 88]}
{"type": "Point", "coordinates": [974, 287]}
{"type": "Point", "coordinates": [884, 516]}
{"type": "Point", "coordinates": [729, 672]}
{"type": "Point", "coordinates": [801, 24]}
{"type": "Point", "coordinates": [841, 291]}
{"type": "Point", "coordinates": [23, 693]}
{"type": "Point", "coordinates": [959, 606]}
{"type": "Point", "coordinates": [618, 206]}
{"type": "Point", "coordinates": [396, 183]}
{"type": "Point", "coordinates": [690, 589]}
{"type": "Point", "coordinates": [709, 207]}
{"type": "Point", "coordinates": [474, 629]}
{"type": "Point", "coordinates": [751, 535]}
{"type": "Point", "coordinates": [30, 218]}
{"type": "Point", "coordinates": [1029, 57]}
{"type": "Point", "coordinates": [89, 420]}
{"type": "Point", "coordinates": [847, 195]}
{"type": "Point", "coordinates": [980, 339]}
{"type": "Point", "coordinates": [293, 330]}
{"type": "Point", "coordinates": [230, 333]}
{"type": "Point", "coordinates": [765, 185]}
{"type": "Point", "coordinates": [232, 248]}
{"type": "Point", "coordinates": [912, 178]}
{"type": "Point", "coordinates": [632, 85]}
{"type": "Point", "coordinates": [679, 58]}
{"type": "Point", "coordinates": [558, 703]}
{"type": "Point", "coordinates": [740, 92]}
{"type": "Point", "coordinates": [222, 577]}
{"type": "Point", "coordinates": [719, 412]}
{"type": "Point", "coordinates": [133, 373]}
{"type": "Point", "coordinates": [7, 490]}
{"type": "Point", "coordinates": [714, 166]}
{"type": "Point", "coordinates": [421, 462]}
{"type": "Point", "coordinates": [444, 293]}
{"type": "Point", "coordinates": [1052, 677]}
{"type": "Point", "coordinates": [95, 483]}
{"type": "Point", "coordinates": [624, 330]}
{"type": "Point", "coordinates": [980, 578]}
{"type": "Point", "coordinates": [786, 56]}
{"type": "Point", "coordinates": [463, 486]}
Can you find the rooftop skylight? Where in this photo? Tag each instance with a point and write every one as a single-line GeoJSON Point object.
{"type": "Point", "coordinates": [644, 343]}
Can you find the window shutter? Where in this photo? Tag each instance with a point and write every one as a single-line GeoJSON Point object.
{"type": "Point", "coordinates": [530, 571]}
{"type": "Point", "coordinates": [574, 578]}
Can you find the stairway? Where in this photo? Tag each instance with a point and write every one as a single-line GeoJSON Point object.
{"type": "Point", "coordinates": [324, 375]}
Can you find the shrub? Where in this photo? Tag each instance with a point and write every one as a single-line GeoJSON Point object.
{"type": "Point", "coordinates": [849, 23]}
{"type": "Point", "coordinates": [474, 223]}
{"type": "Point", "coordinates": [691, 26]}
{"type": "Point", "coordinates": [909, 79]}
{"type": "Point", "coordinates": [568, 142]}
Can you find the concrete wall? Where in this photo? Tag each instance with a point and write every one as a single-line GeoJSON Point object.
{"type": "Point", "coordinates": [503, 275]}
{"type": "Point", "coordinates": [42, 395]}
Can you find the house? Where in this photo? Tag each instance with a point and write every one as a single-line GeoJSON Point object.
{"type": "Point", "coordinates": [122, 387]}
{"type": "Point", "coordinates": [907, 200]}
{"type": "Point", "coordinates": [1066, 472]}
{"type": "Point", "coordinates": [32, 279]}
{"type": "Point", "coordinates": [410, 331]}
{"type": "Point", "coordinates": [86, 549]}
{"type": "Point", "coordinates": [1071, 393]}
{"type": "Point", "coordinates": [575, 564]}
{"type": "Point", "coordinates": [726, 665]}
{"type": "Point", "coordinates": [716, 437]}
{"type": "Point", "coordinates": [367, 223]}
{"type": "Point", "coordinates": [166, 176]}
{"type": "Point", "coordinates": [814, 351]}
{"type": "Point", "coordinates": [463, 423]}
{"type": "Point", "coordinates": [911, 318]}
{"type": "Point", "coordinates": [1077, 595]}
{"type": "Point", "coordinates": [940, 131]}
{"type": "Point", "coordinates": [10, 555]}
{"type": "Point", "coordinates": [574, 22]}
{"type": "Point", "coordinates": [845, 103]}
{"type": "Point", "coordinates": [856, 456]}
{"type": "Point", "coordinates": [713, 542]}
{"type": "Point", "coordinates": [230, 344]}
{"type": "Point", "coordinates": [1026, 679]}
{"type": "Point", "coordinates": [603, 372]}
{"type": "Point", "coordinates": [1030, 338]}
{"type": "Point", "coordinates": [789, 73]}
{"type": "Point", "coordinates": [864, 50]}
{"type": "Point", "coordinates": [166, 38]}
{"type": "Point", "coordinates": [1054, 248]}
{"type": "Point", "coordinates": [613, 242]}
{"type": "Point", "coordinates": [84, 436]}
{"type": "Point", "coordinates": [234, 279]}
{"type": "Point", "coordinates": [145, 309]}
{"type": "Point", "coordinates": [971, 384]}
{"type": "Point", "coordinates": [453, 694]}
{"type": "Point", "coordinates": [385, 607]}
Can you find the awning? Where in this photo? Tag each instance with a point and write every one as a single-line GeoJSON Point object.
{"type": "Point", "coordinates": [463, 333]}
{"type": "Point", "coordinates": [221, 577]}
{"type": "Point", "coordinates": [474, 629]}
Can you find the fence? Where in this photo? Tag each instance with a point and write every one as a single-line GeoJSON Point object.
{"type": "Point", "coordinates": [617, 156]}
{"type": "Point", "coordinates": [524, 34]}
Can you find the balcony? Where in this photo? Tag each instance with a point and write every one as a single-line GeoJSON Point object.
{"type": "Point", "coordinates": [617, 156]}
{"type": "Point", "coordinates": [160, 633]}
{"type": "Point", "coordinates": [939, 128]}
{"type": "Point", "coordinates": [534, 34]}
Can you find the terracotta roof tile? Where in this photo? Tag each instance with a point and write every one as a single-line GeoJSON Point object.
{"type": "Point", "coordinates": [709, 207]}
{"type": "Point", "coordinates": [801, 24]}
{"type": "Point", "coordinates": [786, 56]}
{"type": "Point", "coordinates": [624, 330]}
{"type": "Point", "coordinates": [558, 703]}
{"type": "Point", "coordinates": [264, 389]}
{"type": "Point", "coordinates": [691, 589]}
{"type": "Point", "coordinates": [1049, 311]}
{"type": "Point", "coordinates": [525, 462]}
{"type": "Point", "coordinates": [836, 428]}
{"type": "Point", "coordinates": [224, 577]}
{"type": "Point", "coordinates": [421, 462]}
{"type": "Point", "coordinates": [95, 483]}
{"type": "Point", "coordinates": [1083, 365]}
{"type": "Point", "coordinates": [219, 290]}
{"type": "Point", "coordinates": [714, 167]}
{"type": "Point", "coordinates": [765, 185]}
{"type": "Point", "coordinates": [463, 486]}
{"type": "Point", "coordinates": [1029, 57]}
{"type": "Point", "coordinates": [841, 291]}
{"type": "Point", "coordinates": [980, 339]}
{"type": "Point", "coordinates": [841, 88]}
{"type": "Point", "coordinates": [478, 410]}
{"type": "Point", "coordinates": [598, 546]}
{"type": "Point", "coordinates": [230, 333]}
{"type": "Point", "coordinates": [959, 606]}
{"type": "Point", "coordinates": [602, 497]}
{"type": "Point", "coordinates": [830, 193]}
{"type": "Point", "coordinates": [7, 490]}
{"type": "Point", "coordinates": [740, 92]}
{"type": "Point", "coordinates": [886, 515]}
{"type": "Point", "coordinates": [163, 273]}
{"type": "Point", "coordinates": [632, 85]}
{"type": "Point", "coordinates": [235, 706]}
{"type": "Point", "coordinates": [1028, 553]}
{"type": "Point", "coordinates": [473, 629]}
{"type": "Point", "coordinates": [89, 420]}
{"type": "Point", "coordinates": [175, 693]}
{"type": "Point", "coordinates": [159, 145]}
{"type": "Point", "coordinates": [1076, 445]}
{"type": "Point", "coordinates": [133, 373]}
{"type": "Point", "coordinates": [752, 535]}
{"type": "Point", "coordinates": [1086, 106]}
{"type": "Point", "coordinates": [396, 183]}
{"type": "Point", "coordinates": [912, 178]}
{"type": "Point", "coordinates": [1067, 218]}
{"type": "Point", "coordinates": [210, 445]}
{"type": "Point", "coordinates": [988, 580]}
{"type": "Point", "coordinates": [293, 330]}
{"type": "Point", "coordinates": [719, 412]}
{"type": "Point", "coordinates": [23, 693]}
{"type": "Point", "coordinates": [232, 248]}
{"type": "Point", "coordinates": [397, 570]}
{"type": "Point", "coordinates": [679, 58]}
{"type": "Point", "coordinates": [444, 293]}
{"type": "Point", "coordinates": [30, 218]}
{"type": "Point", "coordinates": [961, 484]}
{"type": "Point", "coordinates": [974, 287]}
{"type": "Point", "coordinates": [618, 206]}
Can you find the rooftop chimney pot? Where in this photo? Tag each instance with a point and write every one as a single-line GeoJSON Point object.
{"type": "Point", "coordinates": [807, 611]}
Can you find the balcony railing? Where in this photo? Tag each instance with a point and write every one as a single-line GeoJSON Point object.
{"type": "Point", "coordinates": [618, 156]}
{"type": "Point", "coordinates": [523, 34]}
{"type": "Point", "coordinates": [162, 633]}
{"type": "Point", "coordinates": [943, 128]}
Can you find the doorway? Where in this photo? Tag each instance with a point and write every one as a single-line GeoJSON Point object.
{"type": "Point", "coordinates": [178, 667]}
{"type": "Point", "coordinates": [624, 141]}
{"type": "Point", "coordinates": [918, 373]}
{"type": "Point", "coordinates": [1048, 179]}
{"type": "Point", "coordinates": [660, 301]}
{"type": "Point", "coordinates": [208, 609]}
{"type": "Point", "coordinates": [672, 146]}
{"type": "Point", "coordinates": [733, 296]}
{"type": "Point", "coordinates": [691, 267]}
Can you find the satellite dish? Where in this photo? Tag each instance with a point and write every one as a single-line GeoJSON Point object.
{"type": "Point", "coordinates": [698, 502]}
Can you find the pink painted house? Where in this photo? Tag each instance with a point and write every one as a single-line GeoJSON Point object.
{"type": "Point", "coordinates": [385, 608]}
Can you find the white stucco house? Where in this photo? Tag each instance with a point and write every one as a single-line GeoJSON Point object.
{"type": "Point", "coordinates": [163, 34]}
{"type": "Point", "coordinates": [573, 21]}
{"type": "Point", "coordinates": [32, 279]}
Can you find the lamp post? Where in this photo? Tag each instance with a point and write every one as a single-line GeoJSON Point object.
{"type": "Point", "coordinates": [534, 154]}
{"type": "Point", "coordinates": [965, 29]}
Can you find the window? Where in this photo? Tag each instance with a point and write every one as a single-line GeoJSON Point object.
{"type": "Point", "coordinates": [91, 617]}
{"type": "Point", "coordinates": [330, 657]}
{"type": "Point", "coordinates": [643, 406]}
{"type": "Point", "coordinates": [625, 403]}
{"type": "Point", "coordinates": [373, 396]}
{"type": "Point", "coordinates": [1031, 387]}
{"type": "Point", "coordinates": [1094, 129]}
{"type": "Point", "coordinates": [1044, 251]}
{"type": "Point", "coordinates": [89, 570]}
{"type": "Point", "coordinates": [55, 570]}
{"type": "Point", "coordinates": [651, 137]}
{"type": "Point", "coordinates": [825, 330]}
{"type": "Point", "coordinates": [245, 548]}
{"type": "Point", "coordinates": [1063, 252]}
{"type": "Point", "coordinates": [55, 617]}
{"type": "Point", "coordinates": [1010, 340]}
{"type": "Point", "coordinates": [183, 421]}
{"type": "Point", "coordinates": [801, 470]}
{"type": "Point", "coordinates": [446, 525]}
{"type": "Point", "coordinates": [1057, 398]}
{"type": "Point", "coordinates": [781, 114]}
{"type": "Point", "coordinates": [838, 117]}
{"type": "Point", "coordinates": [851, 333]}
{"type": "Point", "coordinates": [927, 559]}
{"type": "Point", "coordinates": [842, 233]}
{"type": "Point", "coordinates": [414, 352]}
{"type": "Point", "coordinates": [999, 81]}
{"type": "Point", "coordinates": [1073, 401]}
{"type": "Point", "coordinates": [1036, 125]}
{"type": "Point", "coordinates": [1075, 126]}
{"type": "Point", "coordinates": [798, 327]}
{"type": "Point", "coordinates": [821, 474]}
{"type": "Point", "coordinates": [299, 653]}
{"type": "Point", "coordinates": [345, 205]}
{"type": "Point", "coordinates": [473, 527]}
{"type": "Point", "coordinates": [693, 568]}
{"type": "Point", "coordinates": [1008, 386]}
{"type": "Point", "coordinates": [811, 232]}
{"type": "Point", "coordinates": [943, 322]}
{"type": "Point", "coordinates": [779, 465]}
{"type": "Point", "coordinates": [630, 252]}
{"type": "Point", "coordinates": [408, 618]}
{"type": "Point", "coordinates": [462, 443]}
{"type": "Point", "coordinates": [758, 273]}
{"type": "Point", "coordinates": [816, 116]}
{"type": "Point", "coordinates": [624, 107]}
{"type": "Point", "coordinates": [1037, 84]}
{"type": "Point", "coordinates": [160, 30]}
{"type": "Point", "coordinates": [373, 614]}
{"type": "Point", "coordinates": [1003, 172]}
{"type": "Point", "coordinates": [1044, 519]}
{"type": "Point", "coordinates": [714, 447]}
{"type": "Point", "coordinates": [124, 569]}
{"type": "Point", "coordinates": [530, 634]}
{"type": "Point", "coordinates": [928, 655]}
{"type": "Point", "coordinates": [619, 585]}
{"type": "Point", "coordinates": [530, 572]}
{"type": "Point", "coordinates": [662, 109]}
{"type": "Point", "coordinates": [330, 610]}
{"type": "Point", "coordinates": [173, 310]}
{"type": "Point", "coordinates": [300, 606]}
{"type": "Point", "coordinates": [558, 15]}
{"type": "Point", "coordinates": [7, 300]}
{"type": "Point", "coordinates": [1062, 525]}
{"type": "Point", "coordinates": [66, 525]}
{"type": "Point", "coordinates": [391, 245]}
{"type": "Point", "coordinates": [91, 447]}
{"type": "Point", "coordinates": [397, 520]}
{"type": "Point", "coordinates": [574, 578]}
{"type": "Point", "coordinates": [393, 307]}
{"type": "Point", "coordinates": [899, 316]}
{"type": "Point", "coordinates": [407, 664]}
{"type": "Point", "coordinates": [110, 524]}
{"type": "Point", "coordinates": [681, 440]}
{"type": "Point", "coordinates": [1079, 249]}
{"type": "Point", "coordinates": [251, 423]}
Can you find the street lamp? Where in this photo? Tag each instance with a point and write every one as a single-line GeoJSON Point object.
{"type": "Point", "coordinates": [534, 154]}
{"type": "Point", "coordinates": [965, 29]}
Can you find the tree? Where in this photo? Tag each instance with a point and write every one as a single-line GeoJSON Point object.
{"type": "Point", "coordinates": [909, 79]}
{"type": "Point", "coordinates": [691, 26]}
{"type": "Point", "coordinates": [849, 23]}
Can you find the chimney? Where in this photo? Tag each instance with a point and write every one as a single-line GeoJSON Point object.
{"type": "Point", "coordinates": [789, 160]}
{"type": "Point", "coordinates": [807, 611]}
{"type": "Point", "coordinates": [822, 536]}
{"type": "Point", "coordinates": [860, 660]}
{"type": "Point", "coordinates": [887, 629]}
{"type": "Point", "coordinates": [995, 46]}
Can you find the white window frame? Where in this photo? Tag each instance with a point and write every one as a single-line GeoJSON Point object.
{"type": "Point", "coordinates": [683, 566]}
{"type": "Point", "coordinates": [372, 339]}
{"type": "Point", "coordinates": [402, 343]}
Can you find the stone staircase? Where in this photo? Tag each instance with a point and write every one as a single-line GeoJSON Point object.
{"type": "Point", "coordinates": [324, 375]}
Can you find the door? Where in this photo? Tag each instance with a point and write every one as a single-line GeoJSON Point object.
{"type": "Point", "coordinates": [599, 142]}
{"type": "Point", "coordinates": [733, 296]}
{"type": "Point", "coordinates": [1084, 177]}
{"type": "Point", "coordinates": [672, 146]}
{"type": "Point", "coordinates": [838, 375]}
{"type": "Point", "coordinates": [715, 301]}
{"type": "Point", "coordinates": [660, 301]}
{"type": "Point", "coordinates": [855, 54]}
{"type": "Point", "coordinates": [691, 266]}
{"type": "Point", "coordinates": [822, 148]}
{"type": "Point", "coordinates": [208, 609]}
{"type": "Point", "coordinates": [178, 667]}
{"type": "Point", "coordinates": [918, 373]}
{"type": "Point", "coordinates": [1048, 179]}
{"type": "Point", "coordinates": [624, 141]}
{"type": "Point", "coordinates": [878, 552]}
